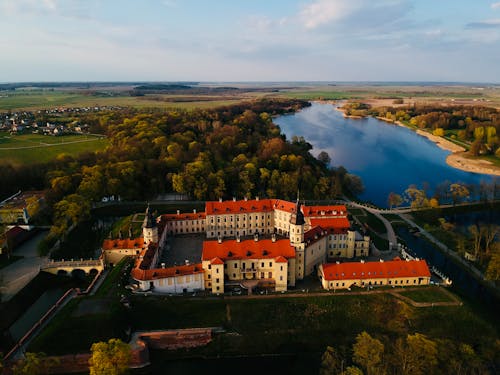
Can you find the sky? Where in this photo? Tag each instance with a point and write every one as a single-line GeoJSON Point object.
{"type": "Point", "coordinates": [250, 40]}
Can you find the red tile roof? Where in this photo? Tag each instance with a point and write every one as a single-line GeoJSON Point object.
{"type": "Point", "coordinates": [375, 270]}
{"type": "Point", "coordinates": [184, 216]}
{"type": "Point", "coordinates": [160, 273]}
{"type": "Point", "coordinates": [14, 232]}
{"type": "Point", "coordinates": [127, 243]}
{"type": "Point", "coordinates": [247, 249]}
{"type": "Point", "coordinates": [282, 205]}
{"type": "Point", "coordinates": [326, 211]}
{"type": "Point", "coordinates": [314, 234]}
{"type": "Point", "coordinates": [146, 257]}
{"type": "Point", "coordinates": [281, 259]}
{"type": "Point", "coordinates": [331, 223]}
{"type": "Point", "coordinates": [216, 260]}
{"type": "Point", "coordinates": [238, 207]}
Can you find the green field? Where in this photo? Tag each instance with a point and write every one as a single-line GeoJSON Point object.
{"type": "Point", "coordinates": [36, 148]}
{"type": "Point", "coordinates": [274, 325]}
{"type": "Point", "coordinates": [78, 97]}
{"type": "Point", "coordinates": [33, 100]}
{"type": "Point", "coordinates": [432, 294]}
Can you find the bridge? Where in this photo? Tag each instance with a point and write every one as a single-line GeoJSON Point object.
{"type": "Point", "coordinates": [69, 266]}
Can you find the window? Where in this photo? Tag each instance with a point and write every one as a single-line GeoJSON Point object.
{"type": "Point", "coordinates": [216, 280]}
{"type": "Point", "coordinates": [235, 265]}
{"type": "Point", "coordinates": [270, 264]}
{"type": "Point", "coordinates": [234, 275]}
{"type": "Point", "coordinates": [281, 268]}
{"type": "Point", "coordinates": [270, 274]}
{"type": "Point", "coordinates": [209, 276]}
{"type": "Point", "coordinates": [209, 266]}
{"type": "Point", "coordinates": [216, 270]}
{"type": "Point", "coordinates": [262, 264]}
{"type": "Point", "coordinates": [281, 278]}
{"type": "Point", "coordinates": [217, 288]}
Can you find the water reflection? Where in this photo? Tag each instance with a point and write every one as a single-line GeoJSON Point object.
{"type": "Point", "coordinates": [387, 157]}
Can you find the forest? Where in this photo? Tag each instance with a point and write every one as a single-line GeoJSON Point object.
{"type": "Point", "coordinates": [233, 151]}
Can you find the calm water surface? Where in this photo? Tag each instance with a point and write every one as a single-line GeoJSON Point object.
{"type": "Point", "coordinates": [386, 157]}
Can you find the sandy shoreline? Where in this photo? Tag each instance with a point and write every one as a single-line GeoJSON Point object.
{"type": "Point", "coordinates": [457, 159]}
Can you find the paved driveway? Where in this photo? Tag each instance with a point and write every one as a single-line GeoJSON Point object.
{"type": "Point", "coordinates": [15, 276]}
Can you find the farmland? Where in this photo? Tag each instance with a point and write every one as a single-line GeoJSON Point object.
{"type": "Point", "coordinates": [35, 148]}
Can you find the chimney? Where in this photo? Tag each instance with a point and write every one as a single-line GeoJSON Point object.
{"type": "Point", "coordinates": [163, 265]}
{"type": "Point", "coordinates": [337, 262]}
{"type": "Point", "coordinates": [256, 237]}
{"type": "Point", "coordinates": [273, 237]}
{"type": "Point", "coordinates": [234, 199]}
{"type": "Point", "coordinates": [220, 199]}
{"type": "Point", "coordinates": [362, 261]}
{"type": "Point", "coordinates": [257, 198]}
{"type": "Point", "coordinates": [246, 199]}
{"type": "Point", "coordinates": [381, 260]}
{"type": "Point", "coordinates": [238, 239]}
{"type": "Point", "coordinates": [178, 212]}
{"type": "Point", "coordinates": [219, 239]}
{"type": "Point", "coordinates": [194, 210]}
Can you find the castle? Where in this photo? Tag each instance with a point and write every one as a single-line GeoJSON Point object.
{"type": "Point", "coordinates": [269, 243]}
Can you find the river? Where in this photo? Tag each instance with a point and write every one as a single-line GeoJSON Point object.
{"type": "Point", "coordinates": [387, 157]}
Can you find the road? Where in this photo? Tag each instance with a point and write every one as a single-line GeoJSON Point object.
{"type": "Point", "coordinates": [15, 276]}
{"type": "Point", "coordinates": [391, 236]}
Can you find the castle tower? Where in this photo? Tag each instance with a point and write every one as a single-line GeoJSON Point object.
{"type": "Point", "coordinates": [149, 228]}
{"type": "Point", "coordinates": [296, 235]}
{"type": "Point", "coordinates": [297, 222]}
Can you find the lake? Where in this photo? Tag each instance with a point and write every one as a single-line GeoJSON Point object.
{"type": "Point", "coordinates": [387, 157]}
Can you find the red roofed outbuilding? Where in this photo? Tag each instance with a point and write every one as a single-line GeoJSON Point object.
{"type": "Point", "coordinates": [362, 274]}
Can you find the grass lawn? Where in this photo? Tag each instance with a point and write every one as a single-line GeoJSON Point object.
{"type": "Point", "coordinates": [110, 286]}
{"type": "Point", "coordinates": [35, 148]}
{"type": "Point", "coordinates": [274, 325]}
{"type": "Point", "coordinates": [434, 294]}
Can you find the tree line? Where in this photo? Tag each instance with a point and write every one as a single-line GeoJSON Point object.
{"type": "Point", "coordinates": [416, 354]}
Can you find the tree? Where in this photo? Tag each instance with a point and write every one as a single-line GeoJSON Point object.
{"type": "Point", "coordinates": [352, 370]}
{"type": "Point", "coordinates": [417, 197]}
{"type": "Point", "coordinates": [110, 358]}
{"type": "Point", "coordinates": [324, 158]}
{"type": "Point", "coordinates": [331, 362]}
{"type": "Point", "coordinates": [394, 200]}
{"type": "Point", "coordinates": [354, 184]}
{"type": "Point", "coordinates": [493, 270]}
{"type": "Point", "coordinates": [367, 352]}
{"type": "Point", "coordinates": [438, 132]}
{"type": "Point", "coordinates": [421, 355]}
{"type": "Point", "coordinates": [458, 192]}
{"type": "Point", "coordinates": [33, 364]}
{"type": "Point", "coordinates": [477, 235]}
{"type": "Point", "coordinates": [490, 233]}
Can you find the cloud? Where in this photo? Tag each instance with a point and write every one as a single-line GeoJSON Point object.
{"type": "Point", "coordinates": [322, 12]}
{"type": "Point", "coordinates": [170, 3]}
{"type": "Point", "coordinates": [495, 5]}
{"type": "Point", "coordinates": [487, 24]}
